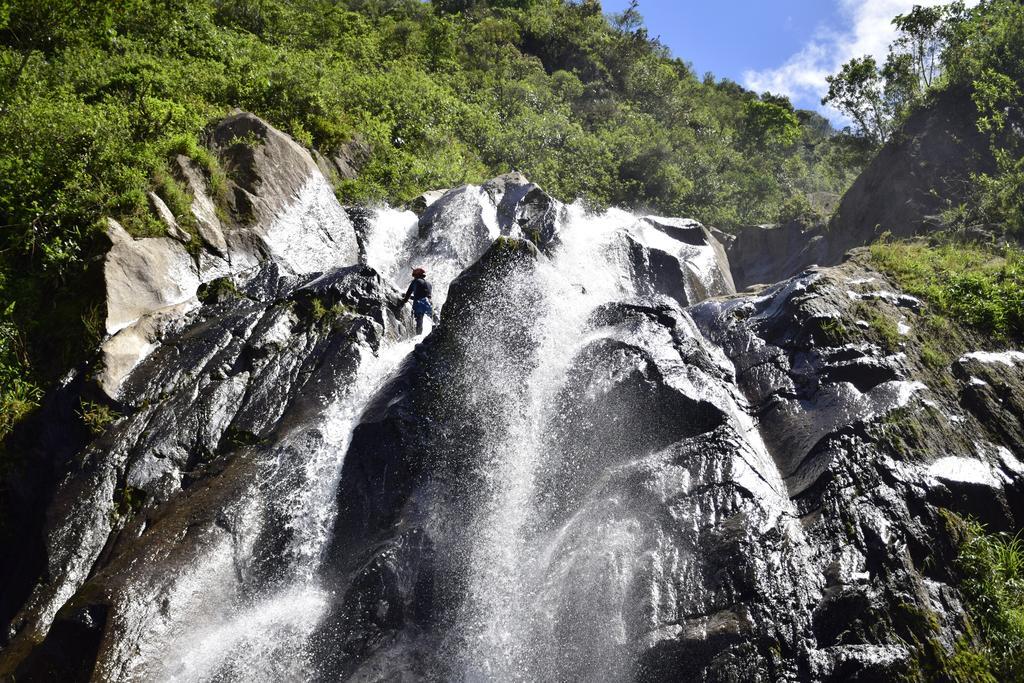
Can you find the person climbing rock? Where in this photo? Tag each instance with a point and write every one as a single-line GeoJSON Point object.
{"type": "Point", "coordinates": [419, 291]}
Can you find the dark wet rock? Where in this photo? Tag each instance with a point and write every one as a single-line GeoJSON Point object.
{"type": "Point", "coordinates": [865, 374]}
{"type": "Point", "coordinates": [813, 564]}
{"type": "Point", "coordinates": [236, 388]}
{"type": "Point", "coordinates": [992, 389]}
{"type": "Point", "coordinates": [416, 449]}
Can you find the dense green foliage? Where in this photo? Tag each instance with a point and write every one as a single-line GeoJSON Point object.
{"type": "Point", "coordinates": [991, 567]}
{"type": "Point", "coordinates": [978, 286]}
{"type": "Point", "coordinates": [978, 51]}
{"type": "Point", "coordinates": [97, 95]}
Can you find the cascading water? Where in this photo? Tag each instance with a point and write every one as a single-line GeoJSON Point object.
{"type": "Point", "coordinates": [501, 612]}
{"type": "Point", "coordinates": [230, 627]}
{"type": "Point", "coordinates": [249, 606]}
{"type": "Point", "coordinates": [224, 618]}
{"type": "Point", "coordinates": [542, 569]}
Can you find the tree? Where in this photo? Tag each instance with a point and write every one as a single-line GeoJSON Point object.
{"type": "Point", "coordinates": [924, 33]}
{"type": "Point", "coordinates": [902, 85]}
{"type": "Point", "coordinates": [768, 122]}
{"type": "Point", "coordinates": [920, 38]}
{"type": "Point", "coordinates": [858, 91]}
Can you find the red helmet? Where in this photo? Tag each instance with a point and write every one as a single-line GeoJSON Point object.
{"type": "Point", "coordinates": [419, 272]}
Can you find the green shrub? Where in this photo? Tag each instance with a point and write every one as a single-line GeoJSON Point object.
{"type": "Point", "coordinates": [798, 208]}
{"type": "Point", "coordinates": [97, 416]}
{"type": "Point", "coordinates": [992, 567]}
{"type": "Point", "coordinates": [17, 400]}
{"type": "Point", "coordinates": [976, 285]}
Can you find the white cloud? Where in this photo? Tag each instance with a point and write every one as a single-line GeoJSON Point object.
{"type": "Point", "coordinates": [868, 31]}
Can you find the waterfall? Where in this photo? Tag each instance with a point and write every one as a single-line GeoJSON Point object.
{"type": "Point", "coordinates": [547, 562]}
{"type": "Point", "coordinates": [221, 620]}
{"type": "Point", "coordinates": [221, 629]}
{"type": "Point", "coordinates": [503, 620]}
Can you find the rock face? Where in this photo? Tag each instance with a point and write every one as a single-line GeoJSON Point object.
{"type": "Point", "coordinates": [765, 254]}
{"type": "Point", "coordinates": [674, 255]}
{"type": "Point", "coordinates": [735, 492]}
{"type": "Point", "coordinates": [213, 418]}
{"type": "Point", "coordinates": [280, 209]}
{"type": "Point", "coordinates": [924, 169]}
{"type": "Point", "coordinates": [603, 463]}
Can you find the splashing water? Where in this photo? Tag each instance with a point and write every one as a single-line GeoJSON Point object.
{"type": "Point", "coordinates": [504, 622]}
{"type": "Point", "coordinates": [520, 576]}
{"type": "Point", "coordinates": [216, 630]}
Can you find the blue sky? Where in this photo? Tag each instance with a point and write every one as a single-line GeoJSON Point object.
{"type": "Point", "coordinates": [785, 46]}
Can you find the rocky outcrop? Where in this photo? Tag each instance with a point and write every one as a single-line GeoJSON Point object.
{"type": "Point", "coordinates": [346, 161]}
{"type": "Point", "coordinates": [923, 170]}
{"type": "Point", "coordinates": [240, 386]}
{"type": "Point", "coordinates": [765, 254]}
{"type": "Point", "coordinates": [280, 209]}
{"type": "Point", "coordinates": [678, 258]}
{"type": "Point", "coordinates": [826, 456]}
{"type": "Point", "coordinates": [203, 208]}
{"type": "Point", "coordinates": [282, 206]}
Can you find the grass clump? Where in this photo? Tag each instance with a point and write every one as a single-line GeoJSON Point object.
{"type": "Point", "coordinates": [833, 332]}
{"type": "Point", "coordinates": [979, 286]}
{"type": "Point", "coordinates": [127, 502]}
{"type": "Point", "coordinates": [902, 433]}
{"type": "Point", "coordinates": [992, 569]}
{"type": "Point", "coordinates": [97, 417]}
{"type": "Point", "coordinates": [17, 400]}
{"type": "Point", "coordinates": [933, 357]}
{"type": "Point", "coordinates": [881, 328]}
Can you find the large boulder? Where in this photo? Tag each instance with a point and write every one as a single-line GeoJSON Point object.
{"type": "Point", "coordinates": [679, 258]}
{"type": "Point", "coordinates": [280, 209]}
{"type": "Point", "coordinates": [282, 206]}
{"type": "Point", "coordinates": [143, 276]}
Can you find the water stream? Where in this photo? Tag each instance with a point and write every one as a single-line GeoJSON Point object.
{"type": "Point", "coordinates": [222, 628]}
